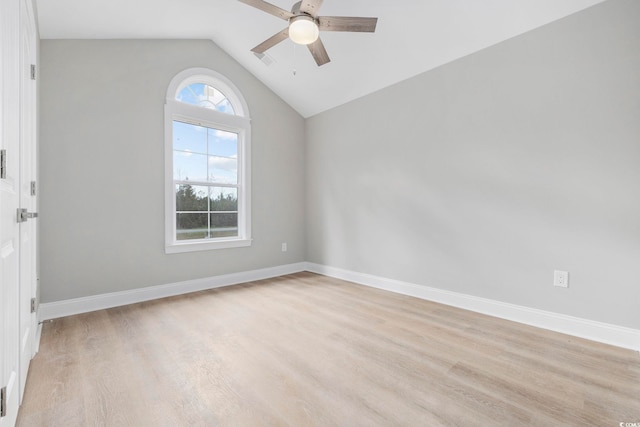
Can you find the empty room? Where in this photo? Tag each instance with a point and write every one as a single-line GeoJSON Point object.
{"type": "Point", "coordinates": [320, 213]}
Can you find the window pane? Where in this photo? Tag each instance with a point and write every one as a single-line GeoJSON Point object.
{"type": "Point", "coordinates": [192, 197]}
{"type": "Point", "coordinates": [223, 169]}
{"type": "Point", "coordinates": [225, 107]}
{"type": "Point", "coordinates": [205, 96]}
{"type": "Point", "coordinates": [222, 143]}
{"type": "Point", "coordinates": [224, 224]}
{"type": "Point", "coordinates": [191, 226]}
{"type": "Point", "coordinates": [191, 94]}
{"type": "Point", "coordinates": [189, 166]}
{"type": "Point", "coordinates": [213, 95]}
{"type": "Point", "coordinates": [190, 138]}
{"type": "Point", "coordinates": [224, 199]}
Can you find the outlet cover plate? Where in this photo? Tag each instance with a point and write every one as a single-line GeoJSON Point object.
{"type": "Point", "coordinates": [561, 278]}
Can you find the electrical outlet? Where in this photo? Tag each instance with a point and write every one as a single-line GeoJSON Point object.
{"type": "Point", "coordinates": [284, 247]}
{"type": "Point", "coordinates": [561, 278]}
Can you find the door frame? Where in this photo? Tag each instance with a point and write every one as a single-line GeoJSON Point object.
{"type": "Point", "coordinates": [28, 199]}
{"type": "Point", "coordinates": [15, 298]}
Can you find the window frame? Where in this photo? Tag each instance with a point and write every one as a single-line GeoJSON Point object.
{"type": "Point", "coordinates": [239, 123]}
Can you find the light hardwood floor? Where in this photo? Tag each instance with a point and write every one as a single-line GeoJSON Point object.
{"type": "Point", "coordinates": [308, 350]}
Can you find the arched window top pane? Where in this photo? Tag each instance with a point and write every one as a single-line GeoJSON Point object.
{"type": "Point", "coordinates": [206, 96]}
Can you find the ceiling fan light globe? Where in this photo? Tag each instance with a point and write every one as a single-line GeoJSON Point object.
{"type": "Point", "coordinates": [303, 30]}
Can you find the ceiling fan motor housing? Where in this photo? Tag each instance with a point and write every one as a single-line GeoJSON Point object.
{"type": "Point", "coordinates": [295, 9]}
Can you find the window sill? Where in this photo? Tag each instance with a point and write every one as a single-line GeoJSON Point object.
{"type": "Point", "coordinates": [177, 248]}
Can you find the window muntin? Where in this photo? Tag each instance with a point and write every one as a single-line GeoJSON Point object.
{"type": "Point", "coordinates": [203, 155]}
{"type": "Point", "coordinates": [206, 212]}
{"type": "Point", "coordinates": [207, 158]}
{"type": "Point", "coordinates": [206, 96]}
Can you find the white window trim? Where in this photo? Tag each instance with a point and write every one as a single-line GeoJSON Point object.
{"type": "Point", "coordinates": [239, 123]}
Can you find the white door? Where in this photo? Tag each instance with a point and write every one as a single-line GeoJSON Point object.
{"type": "Point", "coordinates": [9, 202]}
{"type": "Point", "coordinates": [28, 277]}
{"type": "Point", "coordinates": [17, 239]}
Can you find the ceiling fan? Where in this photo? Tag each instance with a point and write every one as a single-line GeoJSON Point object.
{"type": "Point", "coordinates": [305, 26]}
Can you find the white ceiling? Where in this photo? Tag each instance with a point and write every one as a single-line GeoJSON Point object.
{"type": "Point", "coordinates": [412, 36]}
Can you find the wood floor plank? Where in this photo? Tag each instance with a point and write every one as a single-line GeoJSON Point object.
{"type": "Point", "coordinates": [309, 350]}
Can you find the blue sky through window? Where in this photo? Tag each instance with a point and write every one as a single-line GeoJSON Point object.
{"type": "Point", "coordinates": [203, 95]}
{"type": "Point", "coordinates": [204, 154]}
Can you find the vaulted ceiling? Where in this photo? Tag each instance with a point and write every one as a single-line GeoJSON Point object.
{"type": "Point", "coordinates": [412, 36]}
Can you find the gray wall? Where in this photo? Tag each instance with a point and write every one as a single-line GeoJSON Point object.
{"type": "Point", "coordinates": [102, 168]}
{"type": "Point", "coordinates": [486, 174]}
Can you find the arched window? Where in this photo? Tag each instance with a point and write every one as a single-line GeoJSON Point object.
{"type": "Point", "coordinates": [207, 163]}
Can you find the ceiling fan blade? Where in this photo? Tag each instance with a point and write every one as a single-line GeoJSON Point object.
{"type": "Point", "coordinates": [269, 8]}
{"type": "Point", "coordinates": [271, 41]}
{"type": "Point", "coordinates": [311, 7]}
{"type": "Point", "coordinates": [347, 23]}
{"type": "Point", "coordinates": [319, 52]}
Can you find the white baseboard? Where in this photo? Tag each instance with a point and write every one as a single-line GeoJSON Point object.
{"type": "Point", "coordinates": [54, 310]}
{"type": "Point", "coordinates": [36, 346]}
{"type": "Point", "coordinates": [596, 331]}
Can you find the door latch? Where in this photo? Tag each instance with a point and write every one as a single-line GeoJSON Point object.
{"type": "Point", "coordinates": [23, 215]}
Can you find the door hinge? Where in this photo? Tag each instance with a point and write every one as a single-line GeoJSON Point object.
{"type": "Point", "coordinates": [3, 163]}
{"type": "Point", "coordinates": [33, 305]}
{"type": "Point", "coordinates": [33, 71]}
{"type": "Point", "coordinates": [33, 188]}
{"type": "Point", "coordinates": [3, 401]}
